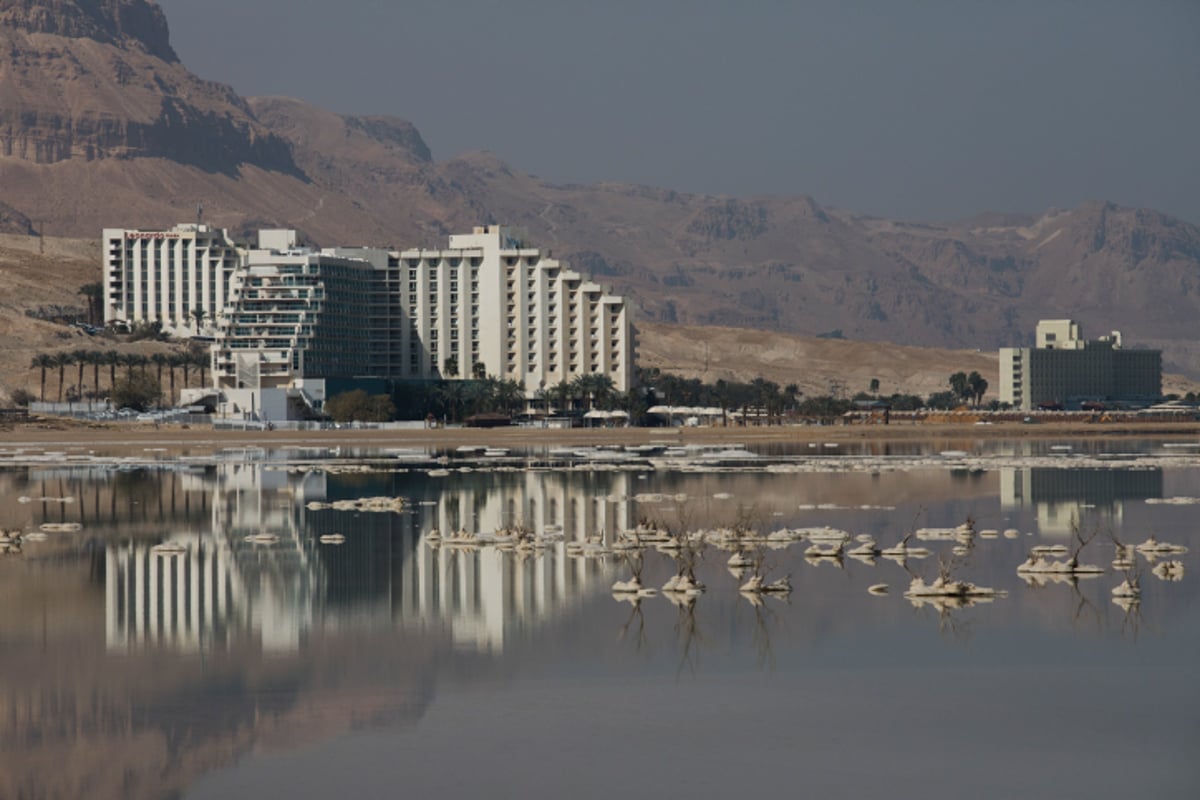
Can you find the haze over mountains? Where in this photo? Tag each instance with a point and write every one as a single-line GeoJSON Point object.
{"type": "Point", "coordinates": [101, 125]}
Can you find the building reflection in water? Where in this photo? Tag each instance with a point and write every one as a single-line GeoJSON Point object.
{"type": "Point", "coordinates": [1063, 498]}
{"type": "Point", "coordinates": [259, 571]}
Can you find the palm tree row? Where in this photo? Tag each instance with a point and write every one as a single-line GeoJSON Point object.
{"type": "Point", "coordinates": [186, 360]}
{"type": "Point", "coordinates": [593, 391]}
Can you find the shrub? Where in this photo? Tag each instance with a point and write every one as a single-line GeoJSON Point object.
{"type": "Point", "coordinates": [140, 391]}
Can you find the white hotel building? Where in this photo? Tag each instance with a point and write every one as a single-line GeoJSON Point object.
{"type": "Point", "coordinates": [491, 302]}
{"type": "Point", "coordinates": [166, 276]}
{"type": "Point", "coordinates": [286, 319]}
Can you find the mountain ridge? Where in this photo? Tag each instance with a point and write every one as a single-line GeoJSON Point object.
{"type": "Point", "coordinates": [107, 130]}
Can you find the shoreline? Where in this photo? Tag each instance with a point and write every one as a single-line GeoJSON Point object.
{"type": "Point", "coordinates": [126, 437]}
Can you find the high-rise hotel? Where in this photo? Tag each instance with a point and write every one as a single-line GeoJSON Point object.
{"type": "Point", "coordinates": [179, 278]}
{"type": "Point", "coordinates": [286, 319]}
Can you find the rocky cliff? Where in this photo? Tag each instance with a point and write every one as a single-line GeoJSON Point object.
{"type": "Point", "coordinates": [96, 79]}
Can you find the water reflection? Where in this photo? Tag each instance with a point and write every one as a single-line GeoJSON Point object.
{"type": "Point", "coordinates": [1062, 497]}
{"type": "Point", "coordinates": [132, 669]}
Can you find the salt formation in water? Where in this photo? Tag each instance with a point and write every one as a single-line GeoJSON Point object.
{"type": "Point", "coordinates": [1168, 570]}
{"type": "Point", "coordinates": [1153, 547]}
{"type": "Point", "coordinates": [943, 587]}
{"type": "Point", "coordinates": [1041, 564]}
{"type": "Point", "coordinates": [375, 504]}
{"type": "Point", "coordinates": [10, 541]}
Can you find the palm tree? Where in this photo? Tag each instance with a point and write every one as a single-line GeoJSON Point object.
{"type": "Point", "coordinates": [200, 357]}
{"type": "Point", "coordinates": [131, 360]}
{"type": "Point", "coordinates": [603, 391]}
{"type": "Point", "coordinates": [94, 292]}
{"type": "Point", "coordinates": [960, 386]}
{"type": "Point", "coordinates": [791, 393]}
{"type": "Point", "coordinates": [562, 392]}
{"type": "Point", "coordinates": [81, 358]}
{"type": "Point", "coordinates": [509, 396]}
{"type": "Point", "coordinates": [159, 360]}
{"type": "Point", "coordinates": [62, 361]}
{"type": "Point", "coordinates": [112, 358]}
{"type": "Point", "coordinates": [542, 397]}
{"type": "Point", "coordinates": [174, 362]}
{"type": "Point", "coordinates": [452, 395]}
{"type": "Point", "coordinates": [198, 315]}
{"type": "Point", "coordinates": [42, 362]}
{"type": "Point", "coordinates": [977, 385]}
{"type": "Point", "coordinates": [96, 358]}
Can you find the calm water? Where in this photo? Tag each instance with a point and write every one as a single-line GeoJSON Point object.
{"type": "Point", "coordinates": [384, 666]}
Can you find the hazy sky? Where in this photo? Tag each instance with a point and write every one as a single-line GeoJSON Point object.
{"type": "Point", "coordinates": [924, 110]}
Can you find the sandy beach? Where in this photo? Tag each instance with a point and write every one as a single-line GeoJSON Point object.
{"type": "Point", "coordinates": [137, 437]}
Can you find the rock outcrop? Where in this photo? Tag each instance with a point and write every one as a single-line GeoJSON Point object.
{"type": "Point", "coordinates": [96, 79]}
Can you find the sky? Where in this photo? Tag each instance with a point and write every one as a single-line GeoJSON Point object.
{"type": "Point", "coordinates": [931, 110]}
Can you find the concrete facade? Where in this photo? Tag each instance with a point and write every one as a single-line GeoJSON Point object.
{"type": "Point", "coordinates": [168, 276]}
{"type": "Point", "coordinates": [491, 303]}
{"type": "Point", "coordinates": [1066, 369]}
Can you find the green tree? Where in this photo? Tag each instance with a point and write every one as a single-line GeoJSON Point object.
{"type": "Point", "coordinates": [943, 401]}
{"type": "Point", "coordinates": [198, 315]}
{"type": "Point", "coordinates": [357, 406]}
{"type": "Point", "coordinates": [21, 398]}
{"type": "Point", "coordinates": [450, 367]}
{"type": "Point", "coordinates": [381, 408]}
{"type": "Point", "coordinates": [147, 331]}
{"type": "Point", "coordinates": [479, 370]}
{"type": "Point", "coordinates": [874, 385]}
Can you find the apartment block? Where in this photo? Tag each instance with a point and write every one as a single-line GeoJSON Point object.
{"type": "Point", "coordinates": [1066, 370]}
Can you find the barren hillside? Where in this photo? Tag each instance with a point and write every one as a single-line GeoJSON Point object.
{"type": "Point", "coordinates": [818, 366]}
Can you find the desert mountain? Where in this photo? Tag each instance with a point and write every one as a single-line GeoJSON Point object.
{"type": "Point", "coordinates": [100, 125]}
